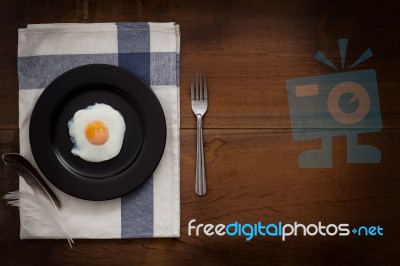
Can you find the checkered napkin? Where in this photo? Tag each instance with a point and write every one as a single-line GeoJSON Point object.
{"type": "Point", "coordinates": [150, 51]}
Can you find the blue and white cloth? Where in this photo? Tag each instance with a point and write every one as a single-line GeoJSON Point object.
{"type": "Point", "coordinates": [149, 50]}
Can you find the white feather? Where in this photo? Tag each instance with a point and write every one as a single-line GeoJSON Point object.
{"type": "Point", "coordinates": [39, 209]}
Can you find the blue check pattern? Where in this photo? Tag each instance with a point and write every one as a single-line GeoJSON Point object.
{"type": "Point", "coordinates": [134, 54]}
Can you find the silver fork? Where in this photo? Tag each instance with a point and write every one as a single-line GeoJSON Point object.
{"type": "Point", "coordinates": [199, 107]}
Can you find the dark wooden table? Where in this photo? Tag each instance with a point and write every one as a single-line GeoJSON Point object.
{"type": "Point", "coordinates": [248, 49]}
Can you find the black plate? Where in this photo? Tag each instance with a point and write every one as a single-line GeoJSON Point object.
{"type": "Point", "coordinates": [144, 139]}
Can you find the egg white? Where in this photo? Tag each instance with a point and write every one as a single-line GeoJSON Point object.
{"type": "Point", "coordinates": [116, 131]}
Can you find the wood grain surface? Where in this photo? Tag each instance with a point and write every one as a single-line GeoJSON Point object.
{"type": "Point", "coordinates": [248, 50]}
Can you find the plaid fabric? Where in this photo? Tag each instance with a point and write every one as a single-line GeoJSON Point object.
{"type": "Point", "coordinates": [150, 51]}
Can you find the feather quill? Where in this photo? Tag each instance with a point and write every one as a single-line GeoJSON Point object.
{"type": "Point", "coordinates": [42, 206]}
{"type": "Point", "coordinates": [31, 176]}
{"type": "Point", "coordinates": [38, 209]}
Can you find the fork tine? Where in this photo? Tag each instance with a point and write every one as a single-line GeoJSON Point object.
{"type": "Point", "coordinates": [192, 88]}
{"type": "Point", "coordinates": [197, 87]}
{"type": "Point", "coordinates": [205, 87]}
{"type": "Point", "coordinates": [201, 88]}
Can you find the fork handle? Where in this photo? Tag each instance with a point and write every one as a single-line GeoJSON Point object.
{"type": "Point", "coordinates": [200, 185]}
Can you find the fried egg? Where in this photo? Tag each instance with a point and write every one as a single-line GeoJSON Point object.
{"type": "Point", "coordinates": [97, 133]}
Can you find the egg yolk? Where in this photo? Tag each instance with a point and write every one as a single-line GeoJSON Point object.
{"type": "Point", "coordinates": [96, 132]}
